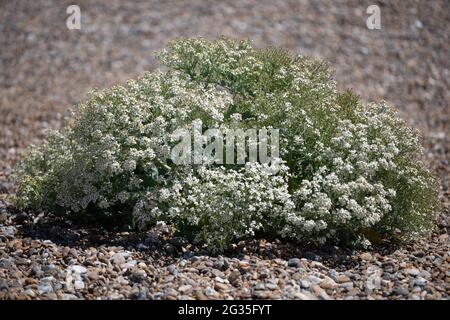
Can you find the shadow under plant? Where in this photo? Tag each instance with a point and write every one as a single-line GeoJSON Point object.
{"type": "Point", "coordinates": [52, 258]}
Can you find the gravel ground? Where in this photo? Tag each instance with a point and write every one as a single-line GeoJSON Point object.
{"type": "Point", "coordinates": [45, 69]}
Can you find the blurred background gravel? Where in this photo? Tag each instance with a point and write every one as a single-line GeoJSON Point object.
{"type": "Point", "coordinates": [46, 69]}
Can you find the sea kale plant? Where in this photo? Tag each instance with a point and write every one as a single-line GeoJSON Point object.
{"type": "Point", "coordinates": [350, 171]}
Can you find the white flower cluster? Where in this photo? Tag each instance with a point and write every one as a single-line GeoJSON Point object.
{"type": "Point", "coordinates": [221, 204]}
{"type": "Point", "coordinates": [351, 171]}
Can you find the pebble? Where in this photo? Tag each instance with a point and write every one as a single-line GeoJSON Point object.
{"type": "Point", "coordinates": [234, 275]}
{"type": "Point", "coordinates": [6, 263]}
{"type": "Point", "coordinates": [304, 296]}
{"type": "Point", "coordinates": [259, 294]}
{"type": "Point", "coordinates": [118, 259]}
{"type": "Point", "coordinates": [172, 270]}
{"type": "Point", "coordinates": [366, 256]}
{"type": "Point", "coordinates": [217, 273]}
{"type": "Point", "coordinates": [92, 275]}
{"type": "Point", "coordinates": [413, 271]}
{"type": "Point", "coordinates": [220, 286]}
{"type": "Point", "coordinates": [347, 285]}
{"type": "Point", "coordinates": [314, 279]}
{"type": "Point", "coordinates": [342, 279]}
{"type": "Point", "coordinates": [294, 262]}
{"type": "Point", "coordinates": [259, 286]}
{"type": "Point", "coordinates": [79, 285]}
{"type": "Point", "coordinates": [425, 274]}
{"type": "Point", "coordinates": [305, 284]}
{"type": "Point", "coordinates": [30, 292]}
{"type": "Point", "coordinates": [244, 265]}
{"type": "Point", "coordinates": [184, 289]}
{"type": "Point", "coordinates": [138, 276]}
{"type": "Point", "coordinates": [78, 269]}
{"type": "Point", "coordinates": [47, 279]}
{"type": "Point", "coordinates": [7, 232]}
{"type": "Point", "coordinates": [271, 286]}
{"type": "Point", "coordinates": [401, 291]}
{"type": "Point", "coordinates": [170, 248]}
{"type": "Point", "coordinates": [220, 264]}
{"type": "Point", "coordinates": [44, 288]}
{"type": "Point", "coordinates": [3, 217]}
{"type": "Point", "coordinates": [29, 281]}
{"type": "Point", "coordinates": [419, 281]}
{"type": "Point", "coordinates": [69, 296]}
{"type": "Point", "coordinates": [328, 284]}
{"type": "Point", "coordinates": [320, 293]}
{"type": "Point", "coordinates": [210, 292]}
